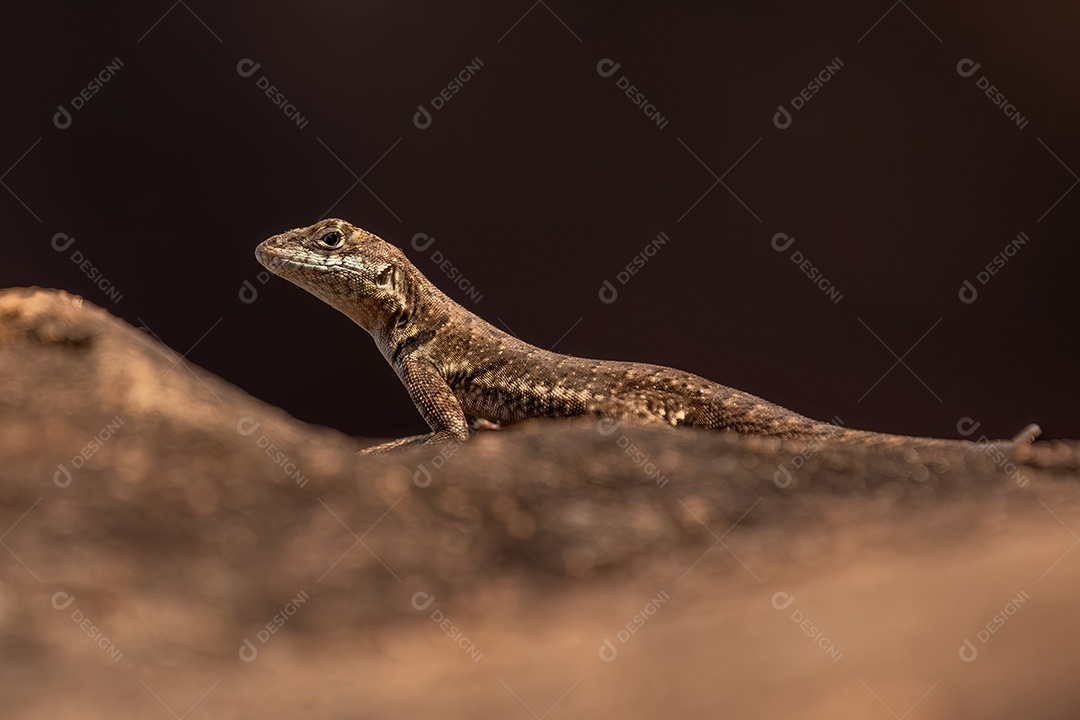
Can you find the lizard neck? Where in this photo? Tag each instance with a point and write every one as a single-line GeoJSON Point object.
{"type": "Point", "coordinates": [416, 315]}
{"type": "Point", "coordinates": [426, 324]}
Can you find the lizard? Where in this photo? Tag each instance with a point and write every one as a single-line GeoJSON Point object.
{"type": "Point", "coordinates": [454, 364]}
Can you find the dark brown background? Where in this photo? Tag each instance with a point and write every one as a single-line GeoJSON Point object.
{"type": "Point", "coordinates": [539, 180]}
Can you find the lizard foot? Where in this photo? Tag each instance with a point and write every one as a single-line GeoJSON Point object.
{"type": "Point", "coordinates": [1027, 435]}
{"type": "Point", "coordinates": [414, 441]}
{"type": "Point", "coordinates": [479, 423]}
{"type": "Point", "coordinates": [399, 444]}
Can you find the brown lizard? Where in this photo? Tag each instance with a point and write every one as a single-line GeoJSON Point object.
{"type": "Point", "coordinates": [455, 364]}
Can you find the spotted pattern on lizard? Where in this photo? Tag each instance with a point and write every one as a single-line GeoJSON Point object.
{"type": "Point", "coordinates": [454, 364]}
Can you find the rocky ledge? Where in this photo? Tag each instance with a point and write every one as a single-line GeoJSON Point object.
{"type": "Point", "coordinates": [169, 540]}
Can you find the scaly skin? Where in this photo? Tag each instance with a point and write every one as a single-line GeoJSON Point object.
{"type": "Point", "coordinates": [454, 364]}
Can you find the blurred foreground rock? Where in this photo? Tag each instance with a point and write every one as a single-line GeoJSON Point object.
{"type": "Point", "coordinates": [172, 544]}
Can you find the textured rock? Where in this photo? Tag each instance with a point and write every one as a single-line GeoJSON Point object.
{"type": "Point", "coordinates": [175, 517]}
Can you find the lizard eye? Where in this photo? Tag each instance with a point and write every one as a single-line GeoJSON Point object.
{"type": "Point", "coordinates": [332, 239]}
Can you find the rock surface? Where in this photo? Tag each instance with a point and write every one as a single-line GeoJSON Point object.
{"type": "Point", "coordinates": [172, 544]}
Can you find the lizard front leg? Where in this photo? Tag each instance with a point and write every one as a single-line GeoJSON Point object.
{"type": "Point", "coordinates": [436, 402]}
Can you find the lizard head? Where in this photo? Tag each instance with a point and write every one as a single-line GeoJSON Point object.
{"type": "Point", "coordinates": [351, 269]}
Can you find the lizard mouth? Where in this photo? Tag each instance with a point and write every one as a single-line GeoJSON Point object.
{"type": "Point", "coordinates": [275, 262]}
